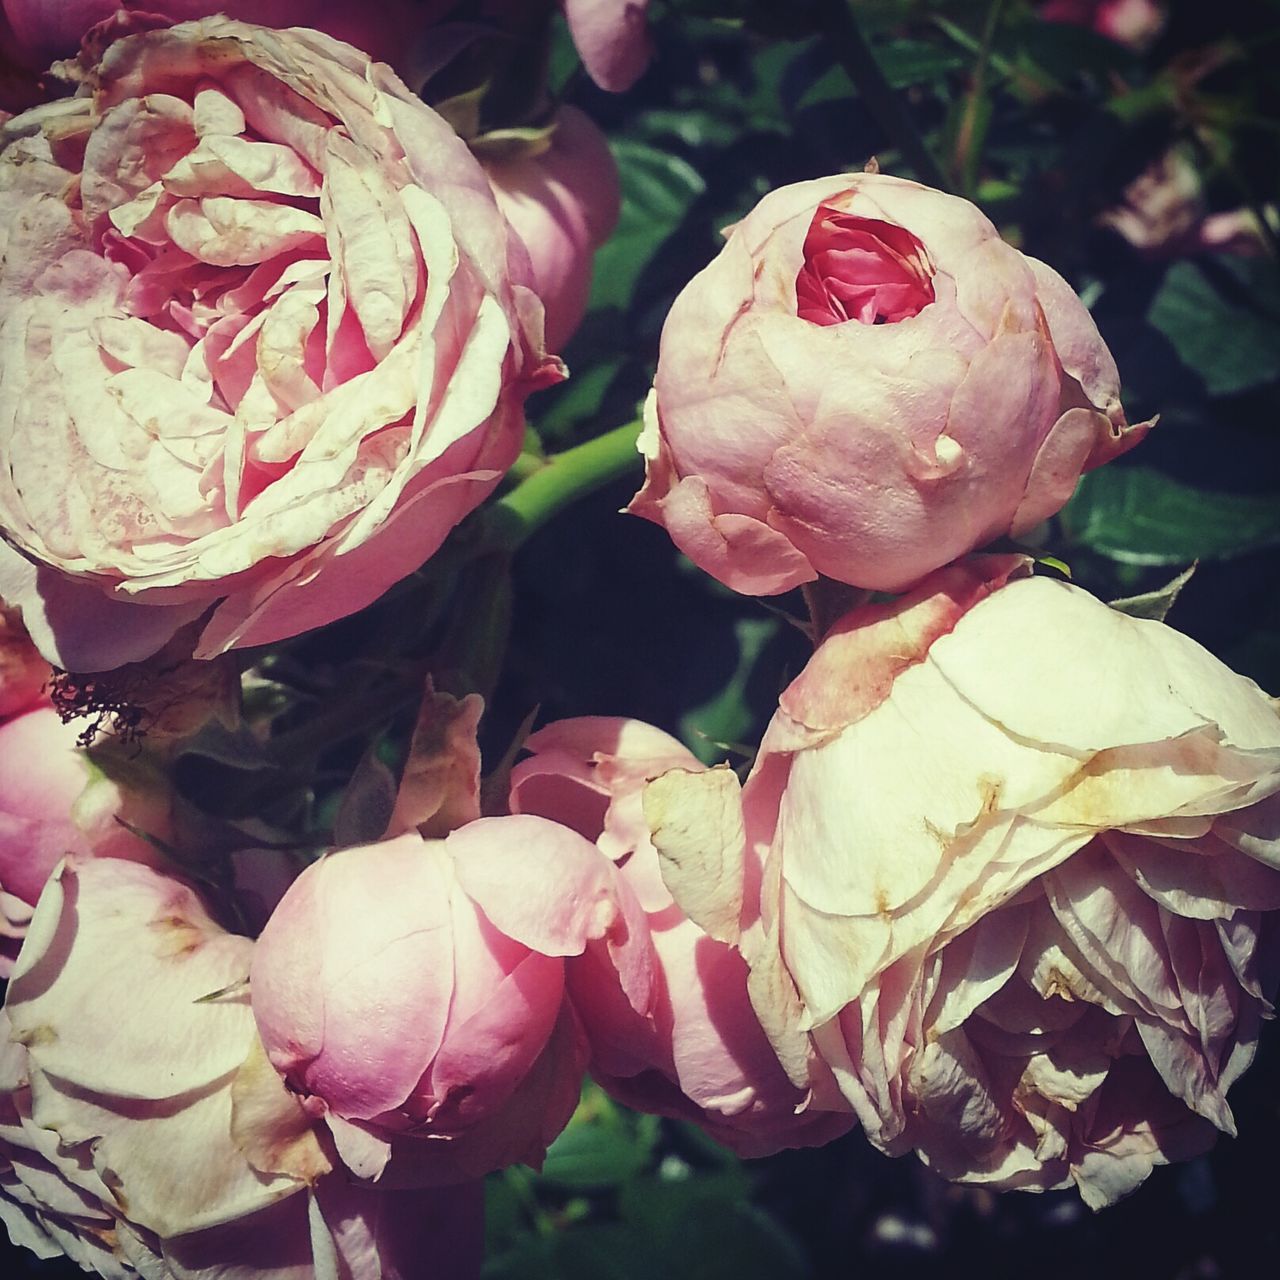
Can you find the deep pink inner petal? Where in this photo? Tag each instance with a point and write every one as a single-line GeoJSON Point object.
{"type": "Point", "coordinates": [861, 269]}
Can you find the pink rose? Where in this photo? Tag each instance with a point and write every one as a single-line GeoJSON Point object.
{"type": "Point", "coordinates": [265, 339]}
{"type": "Point", "coordinates": [1021, 869]}
{"type": "Point", "coordinates": [1130, 22]}
{"type": "Point", "coordinates": [412, 993]}
{"type": "Point", "coordinates": [53, 800]}
{"type": "Point", "coordinates": [612, 38]}
{"type": "Point", "coordinates": [866, 383]}
{"type": "Point", "coordinates": [42, 773]}
{"type": "Point", "coordinates": [564, 205]}
{"type": "Point", "coordinates": [698, 1052]}
{"type": "Point", "coordinates": [1164, 214]}
{"type": "Point", "coordinates": [44, 30]}
{"type": "Point", "coordinates": [142, 1131]}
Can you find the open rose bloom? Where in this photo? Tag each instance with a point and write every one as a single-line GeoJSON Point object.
{"type": "Point", "coordinates": [150, 1136]}
{"type": "Point", "coordinates": [695, 1050]}
{"type": "Point", "coordinates": [264, 339]}
{"type": "Point", "coordinates": [866, 383]}
{"type": "Point", "coordinates": [1010, 860]}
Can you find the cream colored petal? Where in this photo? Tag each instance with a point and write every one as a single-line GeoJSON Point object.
{"type": "Point", "coordinates": [695, 822]}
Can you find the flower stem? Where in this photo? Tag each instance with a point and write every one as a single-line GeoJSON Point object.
{"type": "Point", "coordinates": [968, 142]}
{"type": "Point", "coordinates": [860, 63]}
{"type": "Point", "coordinates": [560, 481]}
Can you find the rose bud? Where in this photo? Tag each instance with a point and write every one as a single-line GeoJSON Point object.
{"type": "Point", "coordinates": [866, 383]}
{"type": "Point", "coordinates": [142, 1131]}
{"type": "Point", "coordinates": [1129, 22]}
{"type": "Point", "coordinates": [700, 1053]}
{"type": "Point", "coordinates": [612, 39]}
{"type": "Point", "coordinates": [563, 203]}
{"type": "Point", "coordinates": [1020, 884]}
{"type": "Point", "coordinates": [284, 340]}
{"type": "Point", "coordinates": [412, 993]}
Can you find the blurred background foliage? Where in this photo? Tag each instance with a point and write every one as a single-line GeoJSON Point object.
{"type": "Point", "coordinates": [1047, 126]}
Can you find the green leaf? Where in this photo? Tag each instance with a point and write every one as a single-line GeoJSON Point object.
{"type": "Point", "coordinates": [1139, 516]}
{"type": "Point", "coordinates": [726, 718]}
{"type": "Point", "coordinates": [657, 1206]}
{"type": "Point", "coordinates": [602, 1147]}
{"type": "Point", "coordinates": [910, 62]}
{"type": "Point", "coordinates": [1065, 51]}
{"type": "Point", "coordinates": [705, 1227]}
{"type": "Point", "coordinates": [531, 1259]}
{"type": "Point", "coordinates": [1222, 315]}
{"type": "Point", "coordinates": [657, 190]}
{"type": "Point", "coordinates": [504, 1214]}
{"type": "Point", "coordinates": [1154, 604]}
{"type": "Point", "coordinates": [722, 1241]}
{"type": "Point", "coordinates": [592, 1251]}
{"type": "Point", "coordinates": [606, 1251]}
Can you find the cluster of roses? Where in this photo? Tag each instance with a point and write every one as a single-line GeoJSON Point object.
{"type": "Point", "coordinates": [1001, 885]}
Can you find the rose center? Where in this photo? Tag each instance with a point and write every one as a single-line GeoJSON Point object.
{"type": "Point", "coordinates": [861, 269]}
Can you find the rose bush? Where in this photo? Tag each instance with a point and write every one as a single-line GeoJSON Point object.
{"type": "Point", "coordinates": [412, 993]}
{"type": "Point", "coordinates": [866, 383]}
{"type": "Point", "coordinates": [1021, 867]}
{"type": "Point", "coordinates": [264, 339]}
{"type": "Point", "coordinates": [142, 1132]}
{"type": "Point", "coordinates": [700, 1053]}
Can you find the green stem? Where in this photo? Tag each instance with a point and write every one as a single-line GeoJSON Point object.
{"type": "Point", "coordinates": [860, 63]}
{"type": "Point", "coordinates": [470, 657]}
{"type": "Point", "coordinates": [968, 146]}
{"type": "Point", "coordinates": [525, 465]}
{"type": "Point", "coordinates": [559, 482]}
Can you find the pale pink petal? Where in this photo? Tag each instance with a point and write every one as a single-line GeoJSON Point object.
{"type": "Point", "coordinates": [102, 924]}
{"type": "Point", "coordinates": [563, 895]}
{"type": "Point", "coordinates": [319, 1009]}
{"type": "Point", "coordinates": [612, 39]}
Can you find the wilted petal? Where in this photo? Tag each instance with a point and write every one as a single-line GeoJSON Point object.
{"type": "Point", "coordinates": [112, 926]}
